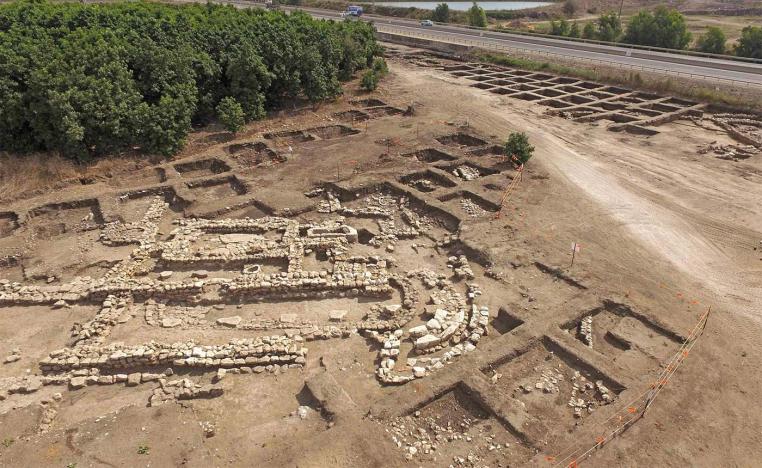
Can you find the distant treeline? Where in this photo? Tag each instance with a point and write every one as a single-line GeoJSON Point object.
{"type": "Point", "coordinates": [87, 80]}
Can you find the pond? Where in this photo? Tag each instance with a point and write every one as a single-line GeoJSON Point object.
{"type": "Point", "coordinates": [463, 6]}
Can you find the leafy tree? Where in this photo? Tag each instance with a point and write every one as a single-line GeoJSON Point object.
{"type": "Point", "coordinates": [441, 13]}
{"type": "Point", "coordinates": [609, 27]}
{"type": "Point", "coordinates": [574, 30]}
{"type": "Point", "coordinates": [518, 146]}
{"type": "Point", "coordinates": [477, 16]}
{"type": "Point", "coordinates": [713, 42]}
{"type": "Point", "coordinates": [569, 8]}
{"type": "Point", "coordinates": [663, 28]}
{"type": "Point", "coordinates": [231, 114]}
{"type": "Point", "coordinates": [91, 79]}
{"type": "Point", "coordinates": [588, 31]}
{"type": "Point", "coordinates": [750, 43]}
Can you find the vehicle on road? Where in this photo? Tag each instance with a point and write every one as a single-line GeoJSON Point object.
{"type": "Point", "coordinates": [353, 10]}
{"type": "Point", "coordinates": [427, 23]}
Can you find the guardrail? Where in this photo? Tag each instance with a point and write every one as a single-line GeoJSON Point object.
{"type": "Point", "coordinates": [495, 45]}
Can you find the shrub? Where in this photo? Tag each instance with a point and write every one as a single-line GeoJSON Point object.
{"type": "Point", "coordinates": [609, 27]}
{"type": "Point", "coordinates": [476, 16]}
{"type": "Point", "coordinates": [663, 28]}
{"type": "Point", "coordinates": [518, 146]}
{"type": "Point", "coordinates": [574, 30]}
{"type": "Point", "coordinates": [588, 31]}
{"type": "Point", "coordinates": [369, 80]}
{"type": "Point", "coordinates": [230, 114]}
{"type": "Point", "coordinates": [713, 42]}
{"type": "Point", "coordinates": [380, 66]}
{"type": "Point", "coordinates": [750, 43]}
{"type": "Point", "coordinates": [559, 28]}
{"type": "Point", "coordinates": [441, 13]}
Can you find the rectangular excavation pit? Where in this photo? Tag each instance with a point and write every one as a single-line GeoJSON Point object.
{"type": "Point", "coordinates": [175, 202]}
{"type": "Point", "coordinates": [614, 90]}
{"type": "Point", "coordinates": [330, 132]}
{"type": "Point", "coordinates": [630, 100]}
{"type": "Point", "coordinates": [498, 82]}
{"type": "Point", "coordinates": [520, 80]}
{"type": "Point", "coordinates": [563, 80]}
{"type": "Point", "coordinates": [556, 104]}
{"type": "Point", "coordinates": [609, 106]}
{"type": "Point", "coordinates": [576, 100]}
{"type": "Point", "coordinates": [521, 73]}
{"type": "Point", "coordinates": [542, 377]}
{"type": "Point", "coordinates": [627, 338]}
{"type": "Point", "coordinates": [642, 111]}
{"type": "Point", "coordinates": [527, 96]}
{"type": "Point", "coordinates": [589, 85]}
{"type": "Point", "coordinates": [482, 86]}
{"type": "Point", "coordinates": [430, 155]}
{"type": "Point", "coordinates": [467, 170]}
{"type": "Point", "coordinates": [571, 89]}
{"type": "Point", "coordinates": [55, 219]}
{"type": "Point", "coordinates": [382, 111]}
{"type": "Point", "coordinates": [290, 136]}
{"type": "Point", "coordinates": [549, 92]}
{"type": "Point", "coordinates": [621, 118]}
{"type": "Point", "coordinates": [541, 76]}
{"type": "Point", "coordinates": [202, 167]}
{"type": "Point", "coordinates": [254, 153]}
{"type": "Point", "coordinates": [469, 203]}
{"type": "Point", "coordinates": [491, 150]}
{"type": "Point", "coordinates": [506, 322]}
{"type": "Point", "coordinates": [353, 115]}
{"type": "Point", "coordinates": [480, 78]}
{"type": "Point", "coordinates": [218, 188]}
{"type": "Point", "coordinates": [8, 223]}
{"type": "Point", "coordinates": [468, 421]}
{"type": "Point", "coordinates": [503, 90]}
{"type": "Point", "coordinates": [427, 181]}
{"type": "Point", "coordinates": [460, 139]}
{"type": "Point", "coordinates": [598, 95]}
{"type": "Point", "coordinates": [466, 74]}
{"type": "Point", "coordinates": [369, 102]}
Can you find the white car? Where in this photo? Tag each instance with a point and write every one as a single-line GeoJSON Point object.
{"type": "Point", "coordinates": [427, 23]}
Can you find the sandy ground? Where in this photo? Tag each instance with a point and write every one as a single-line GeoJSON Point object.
{"type": "Point", "coordinates": [667, 230]}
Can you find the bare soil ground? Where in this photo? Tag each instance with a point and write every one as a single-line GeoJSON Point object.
{"type": "Point", "coordinates": [665, 233]}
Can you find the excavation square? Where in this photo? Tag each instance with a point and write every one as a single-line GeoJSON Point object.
{"type": "Point", "coordinates": [460, 139]}
{"type": "Point", "coordinates": [202, 167]}
{"type": "Point", "coordinates": [430, 155]}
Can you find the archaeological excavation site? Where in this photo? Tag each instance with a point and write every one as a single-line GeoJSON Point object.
{"type": "Point", "coordinates": [372, 281]}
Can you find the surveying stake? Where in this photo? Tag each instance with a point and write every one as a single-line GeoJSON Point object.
{"type": "Point", "coordinates": [511, 187]}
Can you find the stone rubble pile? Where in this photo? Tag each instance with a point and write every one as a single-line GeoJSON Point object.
{"type": "Point", "coordinates": [471, 208]}
{"type": "Point", "coordinates": [729, 152]}
{"type": "Point", "coordinates": [586, 330]}
{"type": "Point", "coordinates": [425, 437]}
{"type": "Point", "coordinates": [460, 266]}
{"type": "Point", "coordinates": [183, 389]}
{"type": "Point", "coordinates": [466, 172]}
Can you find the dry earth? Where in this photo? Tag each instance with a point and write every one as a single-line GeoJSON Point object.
{"type": "Point", "coordinates": [405, 209]}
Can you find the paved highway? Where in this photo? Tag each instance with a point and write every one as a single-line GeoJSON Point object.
{"type": "Point", "coordinates": [723, 71]}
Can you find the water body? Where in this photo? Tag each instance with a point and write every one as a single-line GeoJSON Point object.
{"type": "Point", "coordinates": [463, 6]}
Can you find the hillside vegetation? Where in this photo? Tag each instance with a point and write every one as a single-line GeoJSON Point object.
{"type": "Point", "coordinates": [86, 80]}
